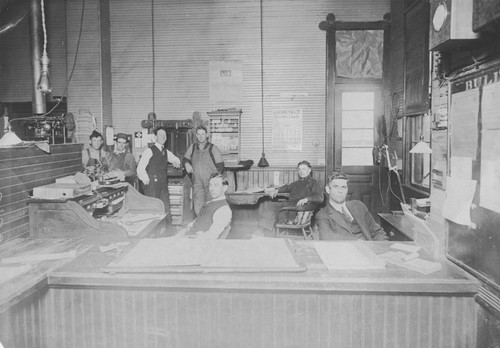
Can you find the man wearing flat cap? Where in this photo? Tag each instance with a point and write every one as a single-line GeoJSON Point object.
{"type": "Point", "coordinates": [121, 161]}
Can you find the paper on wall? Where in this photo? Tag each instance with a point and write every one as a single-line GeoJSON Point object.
{"type": "Point", "coordinates": [459, 195]}
{"type": "Point", "coordinates": [465, 110]}
{"type": "Point", "coordinates": [461, 167]}
{"type": "Point", "coordinates": [490, 170]}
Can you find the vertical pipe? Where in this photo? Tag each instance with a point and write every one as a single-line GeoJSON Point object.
{"type": "Point", "coordinates": [38, 98]}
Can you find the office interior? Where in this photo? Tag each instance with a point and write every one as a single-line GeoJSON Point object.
{"type": "Point", "coordinates": [401, 95]}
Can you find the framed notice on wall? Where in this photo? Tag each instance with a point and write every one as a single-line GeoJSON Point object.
{"type": "Point", "coordinates": [416, 58]}
{"type": "Point", "coordinates": [287, 129]}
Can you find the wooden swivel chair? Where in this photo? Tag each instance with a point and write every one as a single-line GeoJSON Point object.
{"type": "Point", "coordinates": [295, 222]}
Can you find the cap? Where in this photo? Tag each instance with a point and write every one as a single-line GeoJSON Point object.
{"type": "Point", "coordinates": [122, 136]}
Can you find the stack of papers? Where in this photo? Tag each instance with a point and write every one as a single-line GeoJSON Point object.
{"type": "Point", "coordinates": [407, 256]}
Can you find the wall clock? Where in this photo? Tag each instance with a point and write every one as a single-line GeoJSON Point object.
{"type": "Point", "coordinates": [451, 24]}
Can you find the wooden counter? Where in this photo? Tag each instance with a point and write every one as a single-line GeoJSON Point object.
{"type": "Point", "coordinates": [82, 306]}
{"type": "Point", "coordinates": [22, 295]}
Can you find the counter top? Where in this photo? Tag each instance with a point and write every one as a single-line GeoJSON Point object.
{"type": "Point", "coordinates": [86, 270]}
{"type": "Point", "coordinates": [15, 289]}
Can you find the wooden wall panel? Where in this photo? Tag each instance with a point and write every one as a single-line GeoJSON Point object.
{"type": "Point", "coordinates": [22, 169]}
{"type": "Point", "coordinates": [264, 177]}
{"type": "Point", "coordinates": [129, 318]}
{"type": "Point", "coordinates": [85, 91]}
{"type": "Point", "coordinates": [188, 35]}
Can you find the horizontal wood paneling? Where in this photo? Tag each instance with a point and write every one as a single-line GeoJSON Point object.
{"type": "Point", "coordinates": [22, 169]}
{"type": "Point", "coordinates": [264, 177]}
{"type": "Point", "coordinates": [188, 35]}
{"type": "Point", "coordinates": [129, 318]}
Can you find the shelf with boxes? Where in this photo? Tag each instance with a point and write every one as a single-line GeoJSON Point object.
{"type": "Point", "coordinates": [176, 191]}
{"type": "Point", "coordinates": [225, 133]}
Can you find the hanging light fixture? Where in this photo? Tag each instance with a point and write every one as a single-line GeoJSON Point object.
{"type": "Point", "coordinates": [262, 162]}
{"type": "Point", "coordinates": [152, 114]}
{"type": "Point", "coordinates": [44, 84]}
{"type": "Point", "coordinates": [421, 146]}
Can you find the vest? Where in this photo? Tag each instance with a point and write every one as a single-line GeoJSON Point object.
{"type": "Point", "coordinates": [206, 217]}
{"type": "Point", "coordinates": [158, 164]}
{"type": "Point", "coordinates": [354, 228]}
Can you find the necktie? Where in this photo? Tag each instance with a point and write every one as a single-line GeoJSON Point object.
{"type": "Point", "coordinates": [346, 213]}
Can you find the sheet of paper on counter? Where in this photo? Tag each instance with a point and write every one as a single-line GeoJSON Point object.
{"type": "Point", "coordinates": [348, 256]}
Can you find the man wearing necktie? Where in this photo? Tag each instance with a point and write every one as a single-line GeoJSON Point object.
{"type": "Point", "coordinates": [342, 220]}
{"type": "Point", "coordinates": [152, 168]}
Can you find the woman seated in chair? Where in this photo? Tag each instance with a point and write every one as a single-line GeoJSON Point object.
{"type": "Point", "coordinates": [306, 193]}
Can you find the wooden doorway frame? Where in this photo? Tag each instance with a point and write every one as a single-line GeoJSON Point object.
{"type": "Point", "coordinates": [330, 26]}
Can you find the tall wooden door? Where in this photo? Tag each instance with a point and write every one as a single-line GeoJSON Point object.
{"type": "Point", "coordinates": [358, 126]}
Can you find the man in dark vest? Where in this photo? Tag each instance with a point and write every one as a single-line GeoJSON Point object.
{"type": "Point", "coordinates": [215, 215]}
{"type": "Point", "coordinates": [152, 168]}
{"type": "Point", "coordinates": [341, 220]}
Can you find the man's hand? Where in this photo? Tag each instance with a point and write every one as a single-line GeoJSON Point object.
{"type": "Point", "coordinates": [302, 202]}
{"type": "Point", "coordinates": [273, 193]}
{"type": "Point", "coordinates": [177, 165]}
{"type": "Point", "coordinates": [146, 181]}
{"type": "Point", "coordinates": [189, 168]}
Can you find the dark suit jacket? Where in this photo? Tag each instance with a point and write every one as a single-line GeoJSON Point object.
{"type": "Point", "coordinates": [332, 224]}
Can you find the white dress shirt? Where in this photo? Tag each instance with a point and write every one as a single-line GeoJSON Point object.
{"type": "Point", "coordinates": [144, 161]}
{"type": "Point", "coordinates": [342, 209]}
{"type": "Point", "coordinates": [221, 219]}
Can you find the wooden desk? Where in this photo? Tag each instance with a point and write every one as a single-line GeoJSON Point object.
{"type": "Point", "coordinates": [72, 218]}
{"type": "Point", "coordinates": [398, 227]}
{"type": "Point", "coordinates": [393, 307]}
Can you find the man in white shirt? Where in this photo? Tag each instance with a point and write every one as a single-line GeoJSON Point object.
{"type": "Point", "coordinates": [215, 215]}
{"type": "Point", "coordinates": [152, 168]}
{"type": "Point", "coordinates": [342, 220]}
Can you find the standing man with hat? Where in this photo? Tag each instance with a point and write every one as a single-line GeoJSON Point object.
{"type": "Point", "coordinates": [121, 160]}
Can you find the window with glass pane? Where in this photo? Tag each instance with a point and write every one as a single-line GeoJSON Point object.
{"type": "Point", "coordinates": [358, 110]}
{"type": "Point", "coordinates": [419, 129]}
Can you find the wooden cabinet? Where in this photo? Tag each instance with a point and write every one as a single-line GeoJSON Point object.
{"type": "Point", "coordinates": [225, 128]}
{"type": "Point", "coordinates": [76, 218]}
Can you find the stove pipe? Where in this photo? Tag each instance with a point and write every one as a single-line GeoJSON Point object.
{"type": "Point", "coordinates": [36, 43]}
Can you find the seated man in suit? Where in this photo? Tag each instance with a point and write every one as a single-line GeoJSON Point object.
{"type": "Point", "coordinates": [215, 215]}
{"type": "Point", "coordinates": [341, 220]}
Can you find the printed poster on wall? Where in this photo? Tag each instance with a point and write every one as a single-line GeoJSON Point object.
{"type": "Point", "coordinates": [287, 129]}
{"type": "Point", "coordinates": [226, 79]}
